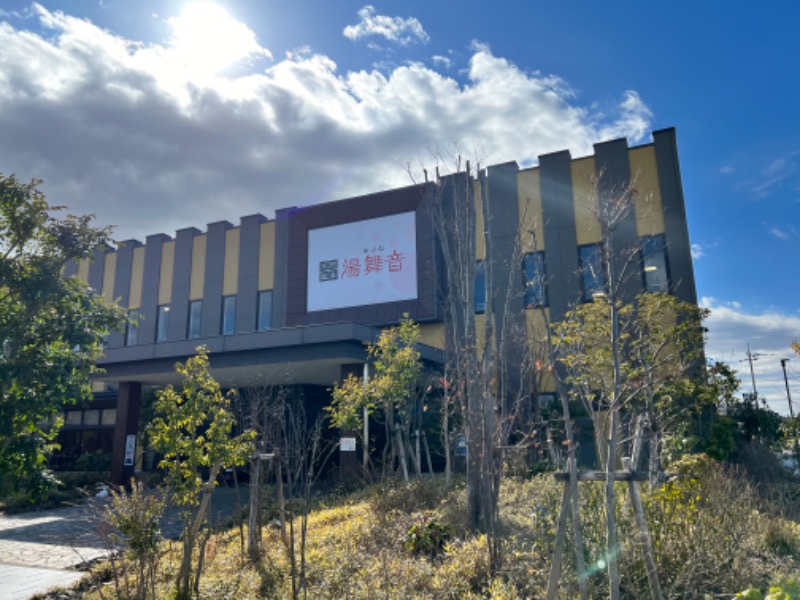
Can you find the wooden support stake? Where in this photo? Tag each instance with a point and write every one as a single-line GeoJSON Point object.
{"type": "Point", "coordinates": [558, 551]}
{"type": "Point", "coordinates": [644, 534]}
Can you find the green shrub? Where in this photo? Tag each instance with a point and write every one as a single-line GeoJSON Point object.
{"type": "Point", "coordinates": [427, 537]}
{"type": "Point", "coordinates": [94, 461]}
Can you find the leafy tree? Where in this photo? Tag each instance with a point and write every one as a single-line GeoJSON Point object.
{"type": "Point", "coordinates": [193, 429]}
{"type": "Point", "coordinates": [51, 327]}
{"type": "Point", "coordinates": [660, 341]}
{"type": "Point", "coordinates": [392, 389]}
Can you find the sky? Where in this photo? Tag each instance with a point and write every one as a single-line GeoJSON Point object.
{"type": "Point", "coordinates": [160, 115]}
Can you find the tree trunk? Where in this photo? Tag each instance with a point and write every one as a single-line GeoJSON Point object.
{"type": "Point", "coordinates": [254, 512]}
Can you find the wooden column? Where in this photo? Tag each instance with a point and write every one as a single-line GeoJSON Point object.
{"type": "Point", "coordinates": [129, 403]}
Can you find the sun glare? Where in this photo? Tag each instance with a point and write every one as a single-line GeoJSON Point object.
{"type": "Point", "coordinates": [208, 39]}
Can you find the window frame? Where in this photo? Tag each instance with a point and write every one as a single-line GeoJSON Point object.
{"type": "Point", "coordinates": [132, 328]}
{"type": "Point", "coordinates": [162, 323]}
{"type": "Point", "coordinates": [660, 253]}
{"type": "Point", "coordinates": [480, 284]}
{"type": "Point", "coordinates": [194, 320]}
{"type": "Point", "coordinates": [537, 260]}
{"type": "Point", "coordinates": [264, 324]}
{"type": "Point", "coordinates": [592, 270]}
{"type": "Point", "coordinates": [228, 321]}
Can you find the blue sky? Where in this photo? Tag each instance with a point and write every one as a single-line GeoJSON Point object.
{"type": "Point", "coordinates": [162, 115]}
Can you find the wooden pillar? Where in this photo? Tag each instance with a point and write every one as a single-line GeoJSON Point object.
{"type": "Point", "coordinates": [123, 457]}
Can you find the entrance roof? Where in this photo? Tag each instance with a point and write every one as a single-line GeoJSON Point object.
{"type": "Point", "coordinates": [312, 354]}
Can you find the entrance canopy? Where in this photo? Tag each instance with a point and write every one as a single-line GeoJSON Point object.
{"type": "Point", "coordinates": [312, 354]}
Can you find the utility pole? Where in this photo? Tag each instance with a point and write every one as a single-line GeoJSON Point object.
{"type": "Point", "coordinates": [752, 373]}
{"type": "Point", "coordinates": [786, 381]}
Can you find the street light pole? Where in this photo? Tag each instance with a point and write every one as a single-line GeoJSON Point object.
{"type": "Point", "coordinates": [786, 381]}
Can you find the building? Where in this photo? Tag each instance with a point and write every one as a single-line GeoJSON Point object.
{"type": "Point", "coordinates": [302, 293]}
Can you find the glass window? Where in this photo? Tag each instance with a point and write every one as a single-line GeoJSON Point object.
{"type": "Point", "coordinates": [162, 325]}
{"type": "Point", "coordinates": [73, 417]}
{"type": "Point", "coordinates": [534, 279]}
{"type": "Point", "coordinates": [132, 330]}
{"type": "Point", "coordinates": [593, 276]}
{"type": "Point", "coordinates": [264, 310]}
{"type": "Point", "coordinates": [654, 264]}
{"type": "Point", "coordinates": [546, 400]}
{"type": "Point", "coordinates": [195, 312]}
{"type": "Point", "coordinates": [228, 315]}
{"type": "Point", "coordinates": [91, 417]}
{"type": "Point", "coordinates": [480, 287]}
{"type": "Point", "coordinates": [109, 416]}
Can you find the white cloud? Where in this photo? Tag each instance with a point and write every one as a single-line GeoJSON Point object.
{"type": "Point", "coordinates": [780, 175]}
{"type": "Point", "coordinates": [727, 170]}
{"type": "Point", "coordinates": [782, 233]}
{"type": "Point", "coordinates": [128, 132]}
{"type": "Point", "coordinates": [395, 29]}
{"type": "Point", "coordinates": [769, 335]}
{"type": "Point", "coordinates": [441, 60]}
{"type": "Point", "coordinates": [697, 251]}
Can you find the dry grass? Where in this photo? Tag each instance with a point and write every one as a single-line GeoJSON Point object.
{"type": "Point", "coordinates": [712, 532]}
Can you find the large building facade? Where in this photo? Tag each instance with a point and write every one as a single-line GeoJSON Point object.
{"type": "Point", "coordinates": [300, 295]}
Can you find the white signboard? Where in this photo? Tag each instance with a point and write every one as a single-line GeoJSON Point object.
{"type": "Point", "coordinates": [360, 263]}
{"type": "Point", "coordinates": [130, 450]}
{"type": "Point", "coordinates": [347, 444]}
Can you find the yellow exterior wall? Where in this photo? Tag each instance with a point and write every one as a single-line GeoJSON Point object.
{"type": "Point", "coordinates": [266, 256]}
{"type": "Point", "coordinates": [584, 193]}
{"type": "Point", "coordinates": [166, 273]}
{"type": "Point", "coordinates": [230, 277]}
{"type": "Point", "coordinates": [536, 325]}
{"type": "Point", "coordinates": [109, 271]}
{"type": "Point", "coordinates": [198, 277]}
{"type": "Point", "coordinates": [432, 334]}
{"type": "Point", "coordinates": [137, 278]}
{"type": "Point", "coordinates": [531, 224]}
{"type": "Point", "coordinates": [480, 241]}
{"type": "Point", "coordinates": [647, 199]}
{"type": "Point", "coordinates": [83, 269]}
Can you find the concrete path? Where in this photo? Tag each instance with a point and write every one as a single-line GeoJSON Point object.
{"type": "Point", "coordinates": [41, 549]}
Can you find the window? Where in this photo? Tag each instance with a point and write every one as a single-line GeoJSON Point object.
{"type": "Point", "coordinates": [546, 400]}
{"type": "Point", "coordinates": [654, 264]}
{"type": "Point", "coordinates": [480, 287]}
{"type": "Point", "coordinates": [264, 310]}
{"type": "Point", "coordinates": [534, 279]}
{"type": "Point", "coordinates": [91, 416]}
{"type": "Point", "coordinates": [132, 330]}
{"type": "Point", "coordinates": [162, 324]}
{"type": "Point", "coordinates": [228, 315]}
{"type": "Point", "coordinates": [195, 312]}
{"type": "Point", "coordinates": [109, 416]}
{"type": "Point", "coordinates": [593, 275]}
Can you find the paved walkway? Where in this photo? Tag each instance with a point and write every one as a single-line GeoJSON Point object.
{"type": "Point", "coordinates": [41, 549]}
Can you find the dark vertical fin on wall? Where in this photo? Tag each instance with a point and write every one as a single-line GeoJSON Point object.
{"type": "Point", "coordinates": [558, 215]}
{"type": "Point", "coordinates": [97, 268]}
{"type": "Point", "coordinates": [279, 308]}
{"type": "Point", "coordinates": [679, 252]}
{"type": "Point", "coordinates": [70, 268]}
{"type": "Point", "coordinates": [247, 287]}
{"type": "Point", "coordinates": [181, 280]}
{"type": "Point", "coordinates": [508, 305]}
{"type": "Point", "coordinates": [214, 273]}
{"type": "Point", "coordinates": [614, 177]}
{"type": "Point", "coordinates": [150, 280]}
{"type": "Point", "coordinates": [122, 284]}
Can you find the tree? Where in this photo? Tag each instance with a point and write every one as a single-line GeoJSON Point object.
{"type": "Point", "coordinates": [51, 327]}
{"type": "Point", "coordinates": [193, 429]}
{"type": "Point", "coordinates": [660, 343]}
{"type": "Point", "coordinates": [393, 389]}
